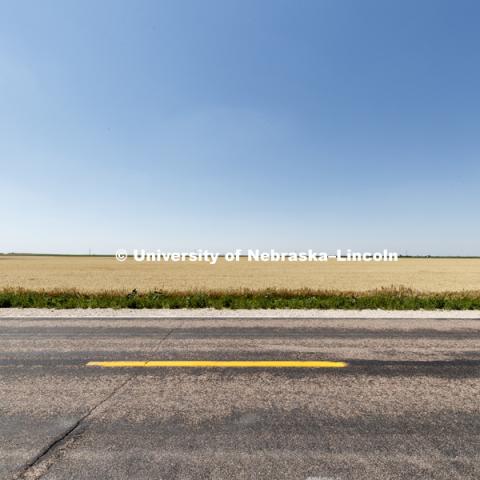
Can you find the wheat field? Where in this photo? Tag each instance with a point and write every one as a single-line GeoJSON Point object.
{"type": "Point", "coordinates": [95, 274]}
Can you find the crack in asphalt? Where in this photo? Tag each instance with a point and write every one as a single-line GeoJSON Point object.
{"type": "Point", "coordinates": [43, 461]}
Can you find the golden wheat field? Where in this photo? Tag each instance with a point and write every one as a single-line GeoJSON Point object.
{"type": "Point", "coordinates": [91, 274]}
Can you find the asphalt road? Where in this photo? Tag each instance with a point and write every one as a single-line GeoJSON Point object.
{"type": "Point", "coordinates": [407, 406]}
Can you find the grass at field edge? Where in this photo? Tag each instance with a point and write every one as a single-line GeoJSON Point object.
{"type": "Point", "coordinates": [384, 298]}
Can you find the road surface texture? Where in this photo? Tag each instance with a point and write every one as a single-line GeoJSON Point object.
{"type": "Point", "coordinates": [407, 406]}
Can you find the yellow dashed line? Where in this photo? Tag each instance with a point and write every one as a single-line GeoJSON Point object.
{"type": "Point", "coordinates": [222, 364]}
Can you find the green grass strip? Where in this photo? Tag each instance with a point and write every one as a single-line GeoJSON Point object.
{"type": "Point", "coordinates": [385, 298]}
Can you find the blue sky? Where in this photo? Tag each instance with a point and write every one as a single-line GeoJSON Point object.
{"type": "Point", "coordinates": [240, 124]}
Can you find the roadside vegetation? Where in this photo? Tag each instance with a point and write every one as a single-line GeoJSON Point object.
{"type": "Point", "coordinates": [384, 298]}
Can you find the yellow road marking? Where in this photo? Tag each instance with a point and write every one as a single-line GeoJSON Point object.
{"type": "Point", "coordinates": [223, 364]}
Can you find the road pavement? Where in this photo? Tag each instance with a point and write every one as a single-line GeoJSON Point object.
{"type": "Point", "coordinates": [406, 406]}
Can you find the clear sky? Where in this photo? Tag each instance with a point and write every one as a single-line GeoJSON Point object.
{"type": "Point", "coordinates": [224, 124]}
